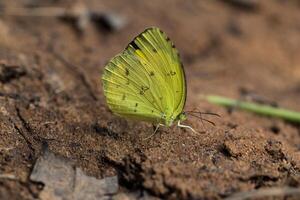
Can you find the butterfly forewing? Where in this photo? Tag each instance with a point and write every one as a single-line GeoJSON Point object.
{"type": "Point", "coordinates": [123, 92]}
{"type": "Point", "coordinates": [146, 81]}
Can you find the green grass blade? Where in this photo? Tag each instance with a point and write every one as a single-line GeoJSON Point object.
{"type": "Point", "coordinates": [282, 113]}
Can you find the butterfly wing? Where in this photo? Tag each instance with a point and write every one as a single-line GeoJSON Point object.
{"type": "Point", "coordinates": [146, 81]}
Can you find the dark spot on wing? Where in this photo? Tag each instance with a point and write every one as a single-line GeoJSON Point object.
{"type": "Point", "coordinates": [144, 89]}
{"type": "Point", "coordinates": [173, 46]}
{"type": "Point", "coordinates": [123, 97]}
{"type": "Point", "coordinates": [152, 111]}
{"type": "Point", "coordinates": [160, 98]}
{"type": "Point", "coordinates": [151, 73]}
{"type": "Point", "coordinates": [168, 39]}
{"type": "Point", "coordinates": [134, 45]}
{"type": "Point", "coordinates": [177, 91]}
{"type": "Point", "coordinates": [154, 50]}
{"type": "Point", "coordinates": [126, 71]}
{"type": "Point", "coordinates": [136, 104]}
{"type": "Point", "coordinates": [171, 73]}
{"type": "Point", "coordinates": [135, 110]}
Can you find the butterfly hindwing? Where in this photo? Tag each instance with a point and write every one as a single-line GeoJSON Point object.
{"type": "Point", "coordinates": [146, 81]}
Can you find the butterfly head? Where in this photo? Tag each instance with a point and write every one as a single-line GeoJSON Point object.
{"type": "Point", "coordinates": [169, 121]}
{"type": "Point", "coordinates": [181, 116]}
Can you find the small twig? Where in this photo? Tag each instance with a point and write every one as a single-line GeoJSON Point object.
{"type": "Point", "coordinates": [265, 192]}
{"type": "Point", "coordinates": [8, 176]}
{"type": "Point", "coordinates": [282, 113]}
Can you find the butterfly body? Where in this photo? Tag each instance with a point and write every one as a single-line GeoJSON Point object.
{"type": "Point", "coordinates": [147, 81]}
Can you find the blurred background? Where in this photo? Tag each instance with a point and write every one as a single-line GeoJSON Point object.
{"type": "Point", "coordinates": [52, 54]}
{"type": "Point", "coordinates": [228, 46]}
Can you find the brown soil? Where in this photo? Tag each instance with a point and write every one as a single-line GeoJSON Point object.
{"type": "Point", "coordinates": [51, 93]}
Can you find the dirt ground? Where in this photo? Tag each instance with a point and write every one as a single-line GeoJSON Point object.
{"type": "Point", "coordinates": [51, 94]}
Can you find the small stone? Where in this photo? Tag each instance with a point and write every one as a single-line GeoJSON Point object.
{"type": "Point", "coordinates": [56, 173]}
{"type": "Point", "coordinates": [90, 188]}
{"type": "Point", "coordinates": [109, 21]}
{"type": "Point", "coordinates": [63, 181]}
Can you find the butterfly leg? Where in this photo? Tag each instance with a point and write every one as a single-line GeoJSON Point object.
{"type": "Point", "coordinates": [185, 126]}
{"type": "Point", "coordinates": [156, 129]}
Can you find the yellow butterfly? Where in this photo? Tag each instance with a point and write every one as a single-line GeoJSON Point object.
{"type": "Point", "coordinates": [147, 81]}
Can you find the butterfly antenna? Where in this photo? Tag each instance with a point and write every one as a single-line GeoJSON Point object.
{"type": "Point", "coordinates": [210, 113]}
{"type": "Point", "coordinates": [203, 113]}
{"type": "Point", "coordinates": [203, 119]}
